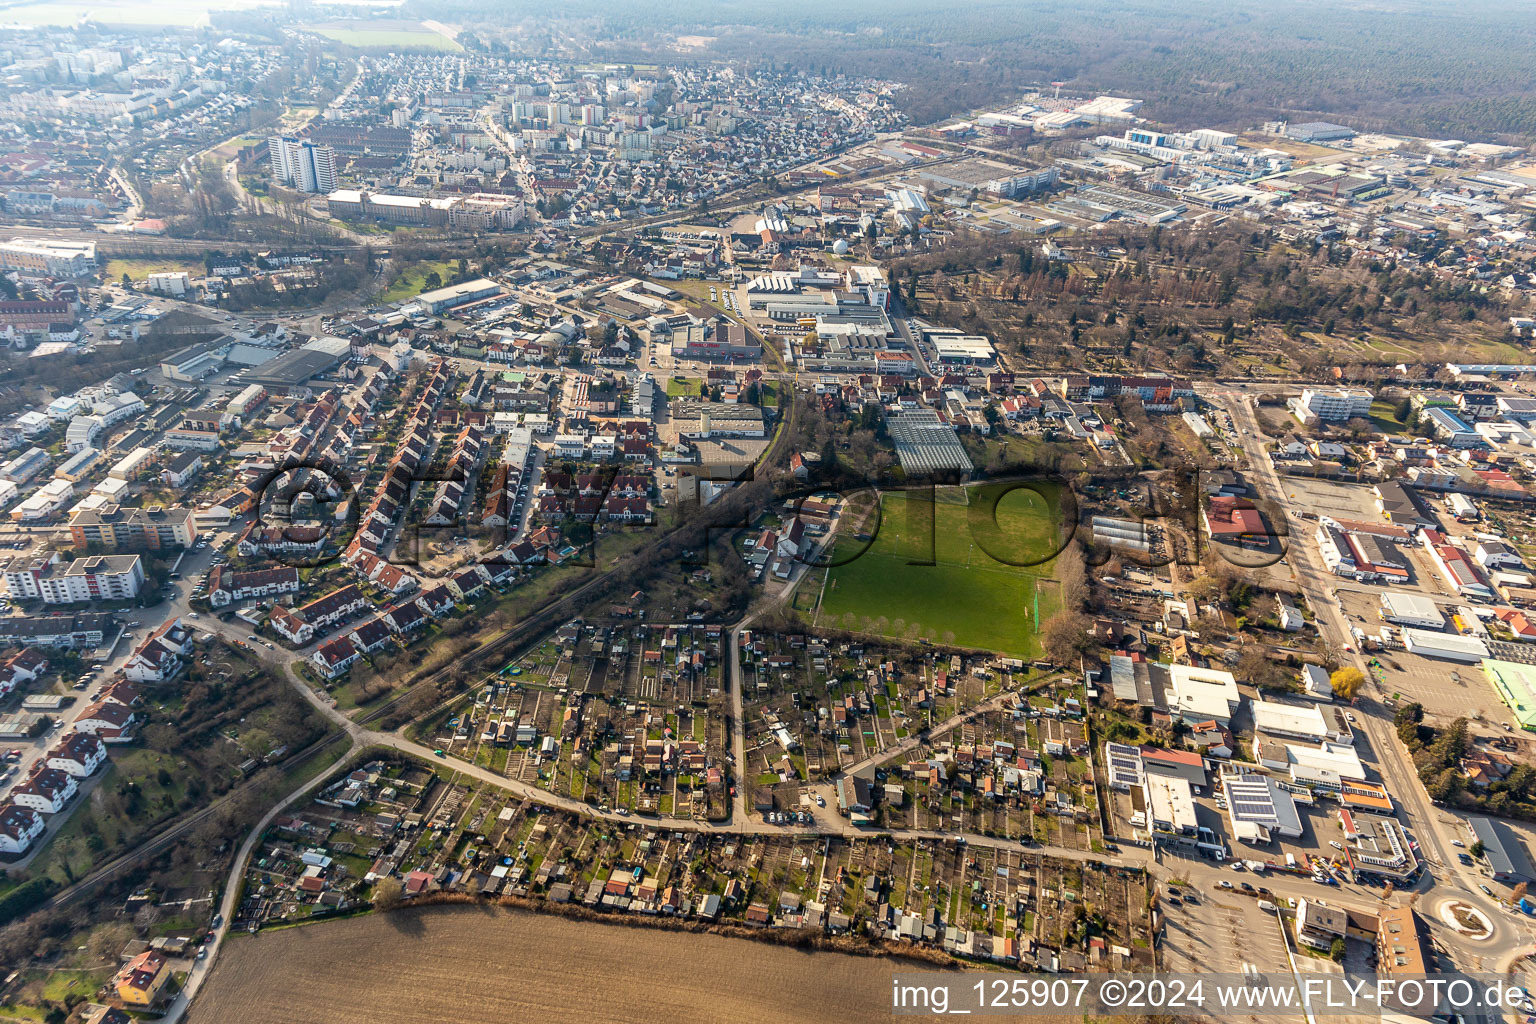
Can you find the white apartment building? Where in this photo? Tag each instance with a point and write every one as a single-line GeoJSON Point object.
{"type": "Point", "coordinates": [54, 257]}
{"type": "Point", "coordinates": [1335, 405]}
{"type": "Point", "coordinates": [302, 164]}
{"type": "Point", "coordinates": [93, 578]}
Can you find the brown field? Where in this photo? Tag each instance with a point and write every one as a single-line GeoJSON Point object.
{"type": "Point", "coordinates": [453, 964]}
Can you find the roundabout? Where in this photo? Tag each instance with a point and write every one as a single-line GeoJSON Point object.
{"type": "Point", "coordinates": [1466, 919]}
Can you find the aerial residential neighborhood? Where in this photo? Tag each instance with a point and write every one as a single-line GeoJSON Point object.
{"type": "Point", "coordinates": [705, 515]}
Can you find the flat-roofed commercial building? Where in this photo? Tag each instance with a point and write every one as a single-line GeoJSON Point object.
{"type": "Point", "coordinates": [968, 349]}
{"type": "Point", "coordinates": [990, 176]}
{"type": "Point", "coordinates": [482, 211]}
{"type": "Point", "coordinates": [54, 257]}
{"type": "Point", "coordinates": [1258, 809]}
{"type": "Point", "coordinates": [352, 204]}
{"type": "Point", "coordinates": [1502, 849]}
{"type": "Point", "coordinates": [728, 341]}
{"type": "Point", "coordinates": [1416, 610]}
{"type": "Point", "coordinates": [1381, 847]}
{"type": "Point", "coordinates": [1449, 646]}
{"type": "Point", "coordinates": [1171, 806]}
{"type": "Point", "coordinates": [461, 294]}
{"type": "Point", "coordinates": [1515, 683]}
{"type": "Point", "coordinates": [1203, 694]}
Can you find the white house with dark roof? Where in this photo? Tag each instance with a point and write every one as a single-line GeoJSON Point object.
{"type": "Point", "coordinates": [49, 791]}
{"type": "Point", "coordinates": [19, 828]}
{"type": "Point", "coordinates": [78, 754]}
{"type": "Point", "coordinates": [160, 656]}
{"type": "Point", "coordinates": [336, 656]}
{"type": "Point", "coordinates": [111, 721]}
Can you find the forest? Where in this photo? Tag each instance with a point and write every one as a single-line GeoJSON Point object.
{"type": "Point", "coordinates": [1224, 300]}
{"type": "Point", "coordinates": [1432, 67]}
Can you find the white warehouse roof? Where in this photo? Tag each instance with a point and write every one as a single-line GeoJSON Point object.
{"type": "Point", "coordinates": [1431, 644]}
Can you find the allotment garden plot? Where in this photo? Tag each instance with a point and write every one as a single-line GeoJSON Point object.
{"type": "Point", "coordinates": [623, 716]}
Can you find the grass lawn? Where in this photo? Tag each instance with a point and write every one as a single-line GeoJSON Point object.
{"type": "Point", "coordinates": [976, 593]}
{"type": "Point", "coordinates": [393, 39]}
{"type": "Point", "coordinates": [138, 270]}
{"type": "Point", "coordinates": [1384, 418]}
{"type": "Point", "coordinates": [413, 281]}
{"type": "Point", "coordinates": [683, 388]}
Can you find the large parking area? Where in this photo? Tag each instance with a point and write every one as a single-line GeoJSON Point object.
{"type": "Point", "coordinates": [1330, 498]}
{"type": "Point", "coordinates": [1203, 922]}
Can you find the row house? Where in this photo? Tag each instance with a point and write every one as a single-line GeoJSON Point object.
{"type": "Point", "coordinates": [335, 657]}
{"type": "Point", "coordinates": [326, 611]}
{"type": "Point", "coordinates": [79, 754]}
{"type": "Point", "coordinates": [286, 540]}
{"type": "Point", "coordinates": [226, 585]}
{"type": "Point", "coordinates": [406, 617]}
{"type": "Point", "coordinates": [286, 624]}
{"type": "Point", "coordinates": [161, 655]}
{"type": "Point", "coordinates": [47, 790]}
{"type": "Point", "coordinates": [301, 625]}
{"type": "Point", "coordinates": [371, 635]}
{"type": "Point", "coordinates": [19, 828]}
{"type": "Point", "coordinates": [22, 667]}
{"type": "Point", "coordinates": [468, 582]}
{"type": "Point", "coordinates": [437, 601]}
{"type": "Point", "coordinates": [380, 573]}
{"type": "Point", "coordinates": [110, 721]}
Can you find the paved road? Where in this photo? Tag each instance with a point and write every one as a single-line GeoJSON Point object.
{"type": "Point", "coordinates": [1511, 937]}
{"type": "Point", "coordinates": [1433, 827]}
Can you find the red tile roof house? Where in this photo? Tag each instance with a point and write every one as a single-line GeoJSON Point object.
{"type": "Point", "coordinates": [111, 721]}
{"type": "Point", "coordinates": [392, 579]}
{"type": "Point", "coordinates": [26, 664]}
{"type": "Point", "coordinates": [1518, 622]}
{"type": "Point", "coordinates": [335, 657]}
{"type": "Point", "coordinates": [19, 827]}
{"type": "Point", "coordinates": [79, 754]}
{"type": "Point", "coordinates": [49, 790]}
{"type": "Point", "coordinates": [290, 626]}
{"type": "Point", "coordinates": [121, 692]}
{"type": "Point", "coordinates": [160, 656]}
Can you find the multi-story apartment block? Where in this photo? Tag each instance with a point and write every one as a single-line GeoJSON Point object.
{"type": "Point", "coordinates": [114, 528]}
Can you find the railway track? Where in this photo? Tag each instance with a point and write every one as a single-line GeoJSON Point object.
{"type": "Point", "coordinates": [168, 835]}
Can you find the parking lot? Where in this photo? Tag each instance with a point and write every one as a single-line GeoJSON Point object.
{"type": "Point", "coordinates": [1202, 922]}
{"type": "Point", "coordinates": [1330, 498]}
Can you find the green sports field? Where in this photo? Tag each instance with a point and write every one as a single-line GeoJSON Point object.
{"type": "Point", "coordinates": [977, 592]}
